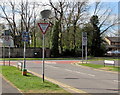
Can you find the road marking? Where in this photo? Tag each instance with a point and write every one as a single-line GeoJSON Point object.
{"type": "Point", "coordinates": [74, 71]}
{"type": "Point", "coordinates": [116, 81]}
{"type": "Point", "coordinates": [52, 66]}
{"type": "Point", "coordinates": [50, 62]}
{"type": "Point", "coordinates": [80, 72]}
{"type": "Point", "coordinates": [68, 70]}
{"type": "Point", "coordinates": [60, 84]}
{"type": "Point", "coordinates": [91, 75]}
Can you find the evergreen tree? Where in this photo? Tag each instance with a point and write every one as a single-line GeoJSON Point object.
{"type": "Point", "coordinates": [55, 40]}
{"type": "Point", "coordinates": [96, 37]}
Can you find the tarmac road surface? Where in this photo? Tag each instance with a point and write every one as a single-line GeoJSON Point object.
{"type": "Point", "coordinates": [86, 79]}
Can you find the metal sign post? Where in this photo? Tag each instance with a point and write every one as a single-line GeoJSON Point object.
{"type": "Point", "coordinates": [43, 52]}
{"type": "Point", "coordinates": [25, 39]}
{"type": "Point", "coordinates": [4, 55]}
{"type": "Point", "coordinates": [43, 28]}
{"type": "Point", "coordinates": [9, 55]}
{"type": "Point", "coordinates": [24, 64]}
{"type": "Point", "coordinates": [84, 44]}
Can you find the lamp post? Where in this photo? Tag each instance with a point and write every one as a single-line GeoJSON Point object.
{"type": "Point", "coordinates": [45, 15]}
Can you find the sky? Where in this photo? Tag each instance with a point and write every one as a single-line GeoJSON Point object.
{"type": "Point", "coordinates": [113, 4]}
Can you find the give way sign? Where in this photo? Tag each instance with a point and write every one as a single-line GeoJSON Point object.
{"type": "Point", "coordinates": [43, 27]}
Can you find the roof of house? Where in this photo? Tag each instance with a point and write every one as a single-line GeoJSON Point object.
{"type": "Point", "coordinates": [114, 39]}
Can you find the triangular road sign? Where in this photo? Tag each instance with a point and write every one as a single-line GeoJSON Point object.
{"type": "Point", "coordinates": [43, 27]}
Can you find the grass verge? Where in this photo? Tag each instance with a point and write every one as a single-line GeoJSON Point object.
{"type": "Point", "coordinates": [102, 58]}
{"type": "Point", "coordinates": [99, 66]}
{"type": "Point", "coordinates": [71, 58]}
{"type": "Point", "coordinates": [29, 83]}
{"type": "Point", "coordinates": [41, 58]}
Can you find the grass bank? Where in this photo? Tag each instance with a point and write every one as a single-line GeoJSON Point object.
{"type": "Point", "coordinates": [29, 83]}
{"type": "Point", "coordinates": [99, 66]}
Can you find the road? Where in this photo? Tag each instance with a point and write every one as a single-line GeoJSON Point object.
{"type": "Point", "coordinates": [85, 79]}
{"type": "Point", "coordinates": [88, 80]}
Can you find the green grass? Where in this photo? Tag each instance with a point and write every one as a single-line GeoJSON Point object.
{"type": "Point", "coordinates": [102, 58]}
{"type": "Point", "coordinates": [72, 58]}
{"type": "Point", "coordinates": [41, 59]}
{"type": "Point", "coordinates": [99, 66]}
{"type": "Point", "coordinates": [93, 65]}
{"type": "Point", "coordinates": [29, 83]}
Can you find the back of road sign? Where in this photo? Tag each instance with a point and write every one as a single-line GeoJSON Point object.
{"type": "Point", "coordinates": [25, 36]}
{"type": "Point", "coordinates": [43, 27]}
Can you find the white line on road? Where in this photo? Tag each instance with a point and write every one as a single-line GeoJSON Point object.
{"type": "Point", "coordinates": [52, 66]}
{"type": "Point", "coordinates": [91, 75]}
{"type": "Point", "coordinates": [50, 62]}
{"type": "Point", "coordinates": [116, 81]}
{"type": "Point", "coordinates": [73, 71]}
{"type": "Point", "coordinates": [80, 72]}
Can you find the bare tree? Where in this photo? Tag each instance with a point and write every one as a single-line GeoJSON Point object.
{"type": "Point", "coordinates": [24, 9]}
{"type": "Point", "coordinates": [106, 19]}
{"type": "Point", "coordinates": [58, 13]}
{"type": "Point", "coordinates": [9, 16]}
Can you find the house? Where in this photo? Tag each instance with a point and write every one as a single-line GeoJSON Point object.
{"type": "Point", "coordinates": [113, 43]}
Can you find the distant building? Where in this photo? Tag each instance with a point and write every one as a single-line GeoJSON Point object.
{"type": "Point", "coordinates": [113, 43]}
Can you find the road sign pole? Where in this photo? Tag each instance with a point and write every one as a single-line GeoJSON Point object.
{"type": "Point", "coordinates": [43, 55]}
{"type": "Point", "coordinates": [86, 53]}
{"type": "Point", "coordinates": [24, 55]}
{"type": "Point", "coordinates": [25, 38]}
{"type": "Point", "coordinates": [82, 53]}
{"type": "Point", "coordinates": [43, 27]}
{"type": "Point", "coordinates": [24, 71]}
{"type": "Point", "coordinates": [9, 55]}
{"type": "Point", "coordinates": [84, 46]}
{"type": "Point", "coordinates": [4, 55]}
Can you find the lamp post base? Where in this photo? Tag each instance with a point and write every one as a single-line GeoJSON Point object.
{"type": "Point", "coordinates": [24, 72]}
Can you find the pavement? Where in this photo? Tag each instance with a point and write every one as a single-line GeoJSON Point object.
{"type": "Point", "coordinates": [102, 62]}
{"type": "Point", "coordinates": [7, 88]}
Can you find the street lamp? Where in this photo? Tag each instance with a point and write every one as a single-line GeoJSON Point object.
{"type": "Point", "coordinates": [45, 14]}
